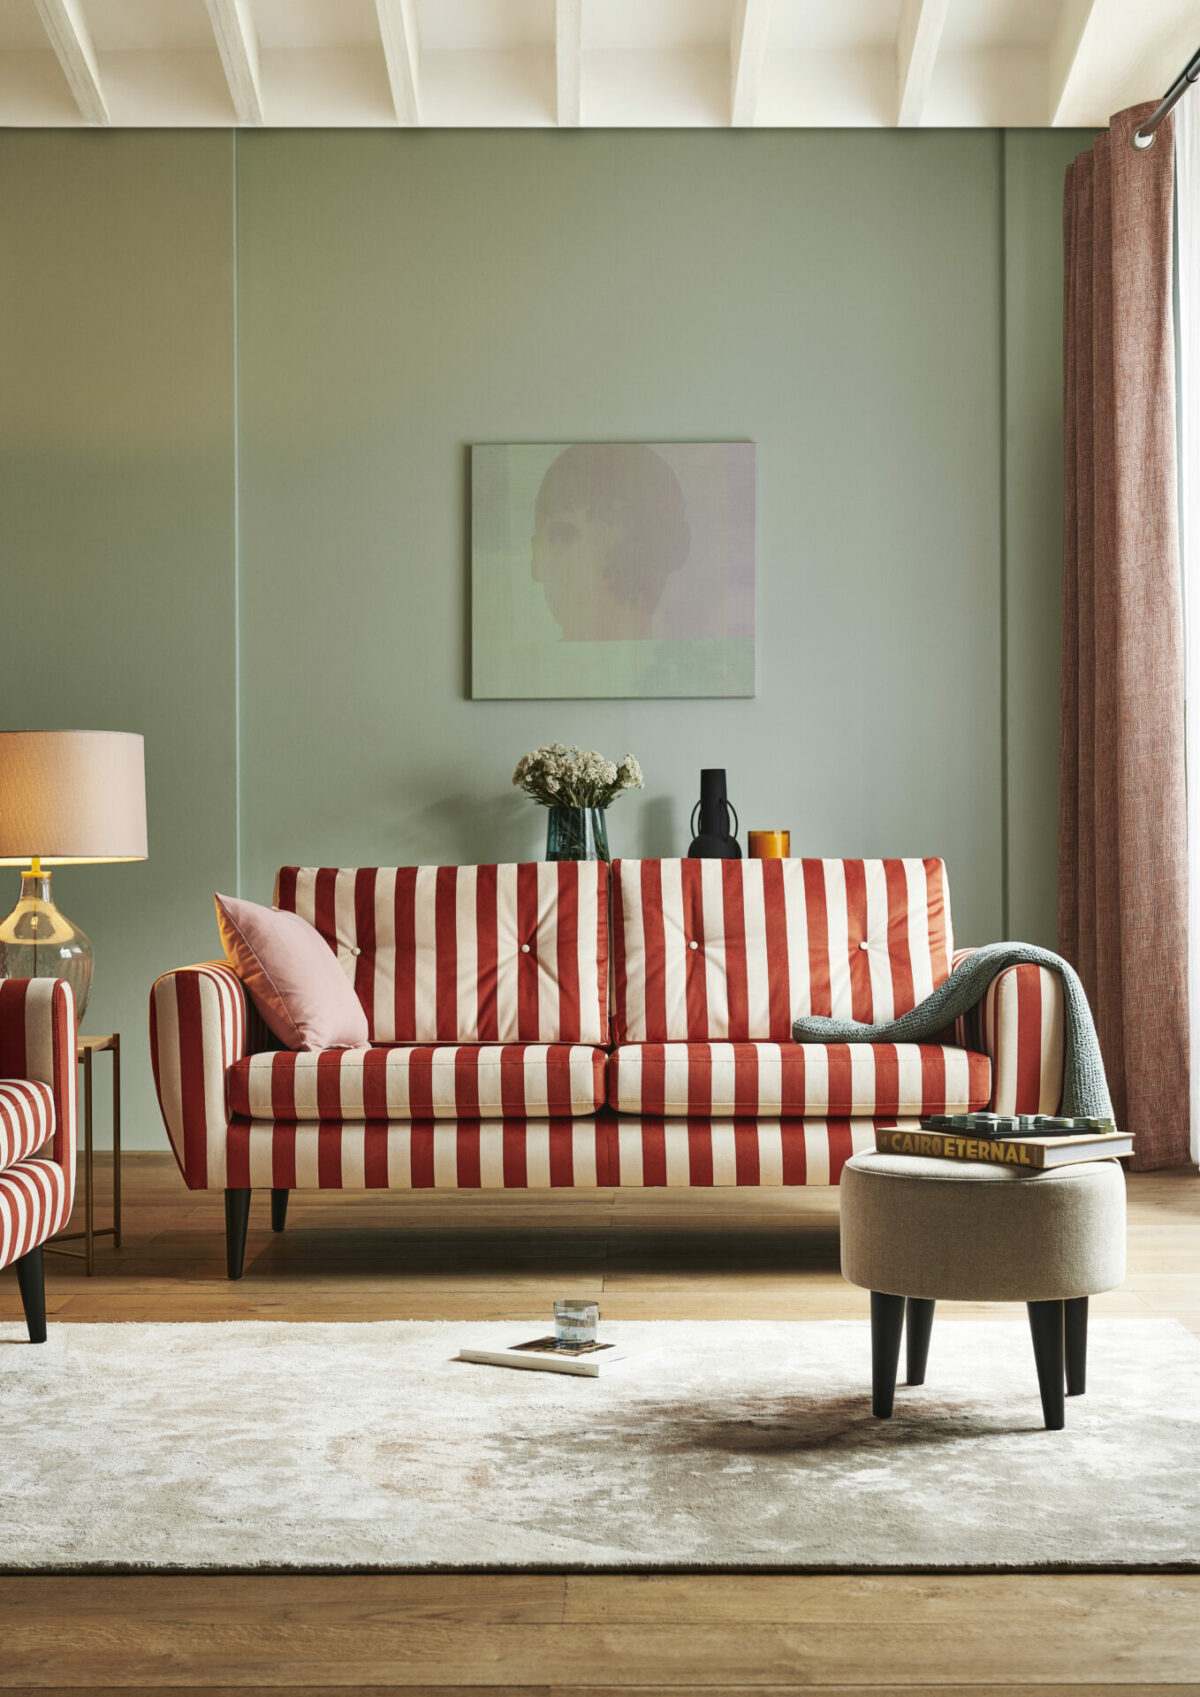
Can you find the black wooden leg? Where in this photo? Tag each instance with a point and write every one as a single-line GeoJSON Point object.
{"type": "Point", "coordinates": [887, 1327]}
{"type": "Point", "coordinates": [32, 1283]}
{"type": "Point", "coordinates": [237, 1219]}
{"type": "Point", "coordinates": [279, 1201]}
{"type": "Point", "coordinates": [918, 1319]}
{"type": "Point", "coordinates": [1076, 1340]}
{"type": "Point", "coordinates": [1046, 1324]}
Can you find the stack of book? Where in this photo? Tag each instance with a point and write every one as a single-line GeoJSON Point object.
{"type": "Point", "coordinates": [1009, 1140]}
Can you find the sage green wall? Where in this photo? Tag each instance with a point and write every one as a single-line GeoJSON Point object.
{"type": "Point", "coordinates": [878, 311]}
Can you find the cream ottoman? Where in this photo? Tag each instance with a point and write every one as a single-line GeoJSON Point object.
{"type": "Point", "coordinates": [916, 1230]}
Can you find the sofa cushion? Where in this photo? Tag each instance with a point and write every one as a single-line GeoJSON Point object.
{"type": "Point", "coordinates": [478, 1081]}
{"type": "Point", "coordinates": [737, 949]}
{"type": "Point", "coordinates": [797, 1080]}
{"type": "Point", "coordinates": [26, 1118]}
{"type": "Point", "coordinates": [294, 980]}
{"type": "Point", "coordinates": [466, 954]}
{"type": "Point", "coordinates": [539, 1154]}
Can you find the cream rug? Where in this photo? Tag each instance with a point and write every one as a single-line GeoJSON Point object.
{"type": "Point", "coordinates": [723, 1446]}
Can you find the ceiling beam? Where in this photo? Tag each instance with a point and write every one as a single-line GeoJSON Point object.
{"type": "Point", "coordinates": [402, 50]}
{"type": "Point", "coordinates": [64, 23]}
{"type": "Point", "coordinates": [237, 43]}
{"type": "Point", "coordinates": [747, 55]}
{"type": "Point", "coordinates": [1066, 57]}
{"type": "Point", "coordinates": [918, 38]}
{"type": "Point", "coordinates": [568, 58]}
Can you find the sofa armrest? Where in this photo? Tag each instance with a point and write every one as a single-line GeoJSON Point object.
{"type": "Point", "coordinates": [1019, 1023]}
{"type": "Point", "coordinates": [200, 1023]}
{"type": "Point", "coordinates": [38, 1028]}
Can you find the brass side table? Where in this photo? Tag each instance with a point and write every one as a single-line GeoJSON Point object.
{"type": "Point", "coordinates": [85, 1048]}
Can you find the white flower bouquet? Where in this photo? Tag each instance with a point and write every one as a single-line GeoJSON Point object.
{"type": "Point", "coordinates": [575, 777]}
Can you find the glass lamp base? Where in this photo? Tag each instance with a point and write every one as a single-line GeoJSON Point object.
{"type": "Point", "coordinates": [37, 941]}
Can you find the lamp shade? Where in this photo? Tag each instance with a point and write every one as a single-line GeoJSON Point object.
{"type": "Point", "coordinates": [69, 797]}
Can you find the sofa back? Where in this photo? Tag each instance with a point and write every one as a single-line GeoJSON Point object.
{"type": "Point", "coordinates": [737, 949]}
{"type": "Point", "coordinates": [466, 954]}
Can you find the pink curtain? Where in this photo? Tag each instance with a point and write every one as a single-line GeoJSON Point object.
{"type": "Point", "coordinates": [1122, 815]}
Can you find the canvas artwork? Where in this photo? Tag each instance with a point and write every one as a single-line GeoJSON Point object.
{"type": "Point", "coordinates": [612, 569]}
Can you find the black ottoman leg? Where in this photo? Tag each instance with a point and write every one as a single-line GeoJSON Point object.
{"type": "Point", "coordinates": [32, 1285]}
{"type": "Point", "coordinates": [1046, 1324]}
{"type": "Point", "coordinates": [887, 1327]}
{"type": "Point", "coordinates": [919, 1321]}
{"type": "Point", "coordinates": [237, 1219]}
{"type": "Point", "coordinates": [1076, 1339]}
{"type": "Point", "coordinates": [279, 1202]}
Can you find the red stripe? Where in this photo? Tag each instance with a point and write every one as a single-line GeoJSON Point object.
{"type": "Point", "coordinates": [933, 1079]}
{"type": "Point", "coordinates": [405, 925]}
{"type": "Point", "coordinates": [778, 983]}
{"type": "Point", "coordinates": [620, 1013]}
{"type": "Point", "coordinates": [939, 919]}
{"type": "Point", "coordinates": [283, 1157]}
{"type": "Point", "coordinates": [746, 1152]}
{"type": "Point", "coordinates": [191, 1078]}
{"type": "Point", "coordinates": [695, 968]}
{"type": "Point", "coordinates": [514, 1145]}
{"type": "Point", "coordinates": [329, 1083]}
{"type": "Point", "coordinates": [375, 1084]}
{"type": "Point", "coordinates": [527, 963]}
{"type": "Point", "coordinates": [445, 924]}
{"type": "Point", "coordinates": [512, 1081]}
{"type": "Point", "coordinates": [654, 1152]}
{"type": "Point", "coordinates": [887, 1081]}
{"type": "Point", "coordinates": [841, 1147]}
{"type": "Point", "coordinates": [421, 1157]}
{"type": "Point", "coordinates": [699, 1079]}
{"type": "Point", "coordinates": [420, 1083]}
{"type": "Point", "coordinates": [654, 988]}
{"type": "Point", "coordinates": [700, 1157]}
{"type": "Point", "coordinates": [325, 905]}
{"type": "Point", "coordinates": [466, 1082]}
{"type": "Point", "coordinates": [487, 952]}
{"type": "Point", "coordinates": [904, 995]}
{"type": "Point", "coordinates": [1029, 1039]}
{"type": "Point", "coordinates": [567, 925]}
{"type": "Point", "coordinates": [737, 994]}
{"type": "Point", "coordinates": [466, 1149]}
{"type": "Point", "coordinates": [562, 1157]}
{"type": "Point", "coordinates": [602, 946]}
{"type": "Point", "coordinates": [795, 1153]}
{"type": "Point", "coordinates": [364, 937]}
{"type": "Point", "coordinates": [283, 1087]}
{"type": "Point", "coordinates": [285, 888]}
{"type": "Point", "coordinates": [558, 1082]}
{"type": "Point", "coordinates": [861, 1000]}
{"type": "Point", "coordinates": [375, 1157]}
{"type": "Point", "coordinates": [329, 1157]}
{"type": "Point", "coordinates": [818, 937]}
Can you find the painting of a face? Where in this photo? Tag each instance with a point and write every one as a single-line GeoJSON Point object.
{"type": "Point", "coordinates": [613, 569]}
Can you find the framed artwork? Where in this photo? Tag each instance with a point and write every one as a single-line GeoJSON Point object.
{"type": "Point", "coordinates": [612, 569]}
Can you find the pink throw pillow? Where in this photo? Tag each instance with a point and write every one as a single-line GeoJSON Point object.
{"type": "Point", "coordinates": [292, 976]}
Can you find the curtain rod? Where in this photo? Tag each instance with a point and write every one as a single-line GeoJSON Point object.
{"type": "Point", "coordinates": [1190, 73]}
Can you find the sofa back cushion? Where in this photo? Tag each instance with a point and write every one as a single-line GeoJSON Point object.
{"type": "Point", "coordinates": [705, 950]}
{"type": "Point", "coordinates": [466, 954]}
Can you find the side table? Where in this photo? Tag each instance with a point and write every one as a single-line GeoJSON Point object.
{"type": "Point", "coordinates": [86, 1047]}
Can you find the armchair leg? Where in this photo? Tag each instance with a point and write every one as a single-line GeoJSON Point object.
{"type": "Point", "coordinates": [279, 1202]}
{"type": "Point", "coordinates": [32, 1283]}
{"type": "Point", "coordinates": [237, 1220]}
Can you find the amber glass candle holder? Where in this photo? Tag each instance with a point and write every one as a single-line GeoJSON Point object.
{"type": "Point", "coordinates": [770, 845]}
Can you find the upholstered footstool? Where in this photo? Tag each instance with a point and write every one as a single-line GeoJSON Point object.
{"type": "Point", "coordinates": [916, 1230]}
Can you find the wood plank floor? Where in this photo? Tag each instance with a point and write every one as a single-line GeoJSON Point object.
{"type": "Point", "coordinates": [686, 1255]}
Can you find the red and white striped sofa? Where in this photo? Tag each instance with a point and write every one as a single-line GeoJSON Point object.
{"type": "Point", "coordinates": [501, 1058]}
{"type": "Point", "coordinates": [37, 1129]}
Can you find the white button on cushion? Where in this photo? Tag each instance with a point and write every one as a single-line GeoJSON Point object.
{"type": "Point", "coordinates": [693, 945]}
{"type": "Point", "coordinates": [863, 945]}
{"type": "Point", "coordinates": [524, 948]}
{"type": "Point", "coordinates": [356, 951]}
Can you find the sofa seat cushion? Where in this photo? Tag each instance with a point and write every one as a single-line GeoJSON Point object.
{"type": "Point", "coordinates": [797, 1080]}
{"type": "Point", "coordinates": [26, 1119]}
{"type": "Point", "coordinates": [421, 1082]}
{"type": "Point", "coordinates": [581, 1154]}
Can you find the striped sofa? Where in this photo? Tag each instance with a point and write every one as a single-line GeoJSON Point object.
{"type": "Point", "coordinates": [505, 1054]}
{"type": "Point", "coordinates": [37, 1129]}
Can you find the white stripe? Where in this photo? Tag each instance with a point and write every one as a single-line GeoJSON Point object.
{"type": "Point", "coordinates": [466, 949]}
{"type": "Point", "coordinates": [537, 1156]}
{"type": "Point", "coordinates": [629, 1154]}
{"type": "Point", "coordinates": [770, 1078]}
{"type": "Point", "coordinates": [837, 929]}
{"type": "Point", "coordinates": [879, 960]}
{"type": "Point", "coordinates": [724, 1155]}
{"type": "Point", "coordinates": [758, 978]}
{"type": "Point", "coordinates": [399, 1157]}
{"type": "Point", "coordinates": [425, 953]}
{"type": "Point", "coordinates": [919, 954]}
{"type": "Point", "coordinates": [770, 1153]}
{"type": "Point", "coordinates": [508, 946]}
{"type": "Point", "coordinates": [583, 1157]}
{"type": "Point", "coordinates": [716, 971]}
{"type": "Point", "coordinates": [344, 930]}
{"type": "Point", "coordinates": [675, 950]}
{"type": "Point", "coordinates": [816, 1152]}
{"type": "Point", "coordinates": [799, 969]}
{"type": "Point", "coordinates": [354, 1157]}
{"type": "Point", "coordinates": [546, 953]}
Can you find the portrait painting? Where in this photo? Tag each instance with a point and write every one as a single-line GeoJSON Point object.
{"type": "Point", "coordinates": [612, 569]}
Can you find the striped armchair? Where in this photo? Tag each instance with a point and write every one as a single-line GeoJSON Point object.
{"type": "Point", "coordinates": [37, 1129]}
{"type": "Point", "coordinates": [499, 1059]}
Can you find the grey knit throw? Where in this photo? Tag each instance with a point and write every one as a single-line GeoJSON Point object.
{"type": "Point", "coordinates": [1085, 1088]}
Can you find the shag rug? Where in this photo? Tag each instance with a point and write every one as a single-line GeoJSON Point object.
{"type": "Point", "coordinates": [722, 1446]}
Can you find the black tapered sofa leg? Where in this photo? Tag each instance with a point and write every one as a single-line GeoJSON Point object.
{"type": "Point", "coordinates": [918, 1324]}
{"type": "Point", "coordinates": [32, 1282]}
{"type": "Point", "coordinates": [279, 1202]}
{"type": "Point", "coordinates": [237, 1220]}
{"type": "Point", "coordinates": [1046, 1323]}
{"type": "Point", "coordinates": [1076, 1344]}
{"type": "Point", "coordinates": [887, 1328]}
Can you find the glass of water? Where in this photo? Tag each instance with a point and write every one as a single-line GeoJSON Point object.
{"type": "Point", "coordinates": [576, 1322]}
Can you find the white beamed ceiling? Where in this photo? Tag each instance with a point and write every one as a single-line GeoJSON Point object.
{"type": "Point", "coordinates": [601, 63]}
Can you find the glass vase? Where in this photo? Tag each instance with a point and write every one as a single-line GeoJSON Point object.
{"type": "Point", "coordinates": [38, 941]}
{"type": "Point", "coordinates": [576, 833]}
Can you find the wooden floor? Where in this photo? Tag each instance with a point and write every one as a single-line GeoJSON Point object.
{"type": "Point", "coordinates": [682, 1255]}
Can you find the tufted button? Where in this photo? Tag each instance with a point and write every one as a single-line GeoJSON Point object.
{"type": "Point", "coordinates": [863, 945]}
{"type": "Point", "coordinates": [693, 945]}
{"type": "Point", "coordinates": [524, 948]}
{"type": "Point", "coordinates": [356, 951]}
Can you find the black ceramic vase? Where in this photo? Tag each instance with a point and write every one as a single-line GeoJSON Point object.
{"type": "Point", "coordinates": [714, 840]}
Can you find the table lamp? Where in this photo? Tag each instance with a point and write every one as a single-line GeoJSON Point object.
{"type": "Point", "coordinates": [67, 798]}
